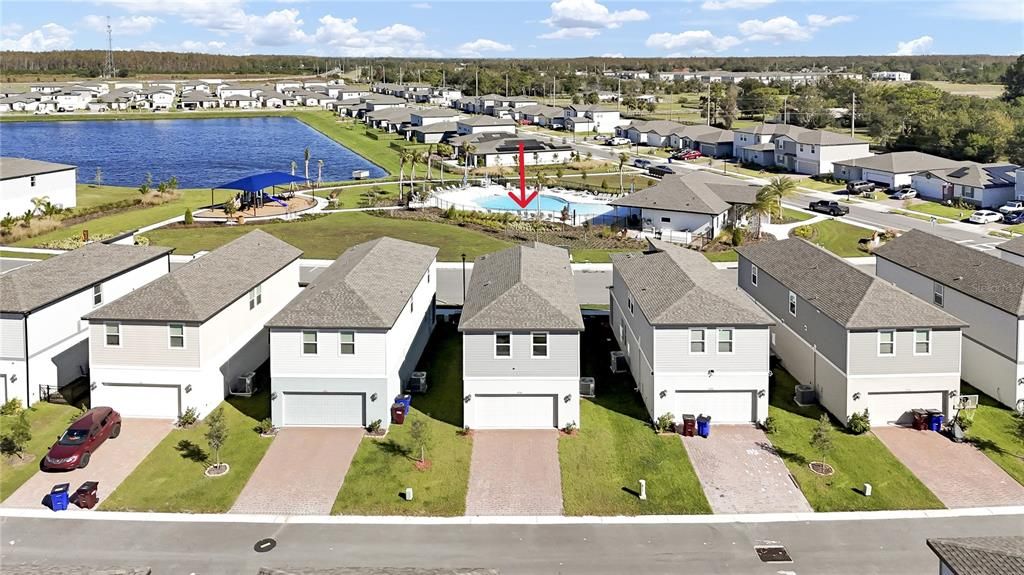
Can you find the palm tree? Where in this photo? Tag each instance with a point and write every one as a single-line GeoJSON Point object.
{"type": "Point", "coordinates": [319, 172]}
{"type": "Point", "coordinates": [780, 187]}
{"type": "Point", "coordinates": [39, 203]}
{"type": "Point", "coordinates": [403, 159]}
{"type": "Point", "coordinates": [623, 158]}
{"type": "Point", "coordinates": [293, 173]}
{"type": "Point", "coordinates": [305, 156]}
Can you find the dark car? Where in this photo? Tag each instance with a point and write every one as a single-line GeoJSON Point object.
{"type": "Point", "coordinates": [660, 171]}
{"type": "Point", "coordinates": [829, 207]}
{"type": "Point", "coordinates": [1013, 218]}
{"type": "Point", "coordinates": [859, 187]}
{"type": "Point", "coordinates": [83, 437]}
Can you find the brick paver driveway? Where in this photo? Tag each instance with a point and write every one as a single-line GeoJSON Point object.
{"type": "Point", "coordinates": [110, 465]}
{"type": "Point", "coordinates": [301, 473]}
{"type": "Point", "coordinates": [741, 473]}
{"type": "Point", "coordinates": [515, 472]}
{"type": "Point", "coordinates": [957, 473]}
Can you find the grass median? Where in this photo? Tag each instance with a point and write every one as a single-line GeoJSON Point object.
{"type": "Point", "coordinates": [993, 433]}
{"type": "Point", "coordinates": [838, 237]}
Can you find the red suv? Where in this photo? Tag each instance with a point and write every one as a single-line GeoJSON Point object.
{"type": "Point", "coordinates": [81, 438]}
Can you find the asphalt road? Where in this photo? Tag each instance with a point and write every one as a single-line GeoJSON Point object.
{"type": "Point", "coordinates": [819, 547]}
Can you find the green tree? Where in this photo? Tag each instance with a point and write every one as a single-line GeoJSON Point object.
{"type": "Point", "coordinates": [147, 184]}
{"type": "Point", "coordinates": [1016, 144]}
{"type": "Point", "coordinates": [1013, 79]}
{"type": "Point", "coordinates": [779, 188]}
{"type": "Point", "coordinates": [592, 98]}
{"type": "Point", "coordinates": [216, 432]}
{"type": "Point", "coordinates": [189, 220]}
{"type": "Point", "coordinates": [305, 159]}
{"type": "Point", "coordinates": [821, 437]}
{"type": "Point", "coordinates": [419, 432]}
{"type": "Point", "coordinates": [15, 439]}
{"type": "Point", "coordinates": [623, 158]}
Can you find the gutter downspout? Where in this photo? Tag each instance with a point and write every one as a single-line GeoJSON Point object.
{"type": "Point", "coordinates": [28, 395]}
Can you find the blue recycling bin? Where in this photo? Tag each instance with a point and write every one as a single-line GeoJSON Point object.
{"type": "Point", "coordinates": [935, 419]}
{"type": "Point", "coordinates": [704, 426]}
{"type": "Point", "coordinates": [59, 496]}
{"type": "Point", "coordinates": [406, 400]}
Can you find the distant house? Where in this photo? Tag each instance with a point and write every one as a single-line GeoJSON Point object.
{"type": "Point", "coordinates": [198, 99]}
{"type": "Point", "coordinates": [499, 149]}
{"type": "Point", "coordinates": [378, 102]}
{"type": "Point", "coordinates": [695, 343]}
{"type": "Point", "coordinates": [521, 327]}
{"type": "Point", "coordinates": [389, 119]}
{"type": "Point", "coordinates": [979, 555]}
{"type": "Point", "coordinates": [427, 116]}
{"type": "Point", "coordinates": [183, 340]}
{"type": "Point", "coordinates": [861, 342]}
{"type": "Point", "coordinates": [982, 185]}
{"type": "Point", "coordinates": [592, 118]}
{"type": "Point", "coordinates": [240, 101]}
{"type": "Point", "coordinates": [893, 169]}
{"type": "Point", "coordinates": [22, 179]}
{"type": "Point", "coordinates": [482, 124]}
{"type": "Point", "coordinates": [545, 116]}
{"type": "Point", "coordinates": [44, 345]}
{"type": "Point", "coordinates": [891, 76]}
{"type": "Point", "coordinates": [344, 348]}
{"type": "Point", "coordinates": [655, 133]}
{"type": "Point", "coordinates": [684, 209]}
{"type": "Point", "coordinates": [708, 140]}
{"type": "Point", "coordinates": [984, 291]}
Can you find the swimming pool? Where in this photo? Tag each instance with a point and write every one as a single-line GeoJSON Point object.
{"type": "Point", "coordinates": [547, 204]}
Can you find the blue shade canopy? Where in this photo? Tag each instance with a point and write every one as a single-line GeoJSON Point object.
{"type": "Point", "coordinates": [261, 181]}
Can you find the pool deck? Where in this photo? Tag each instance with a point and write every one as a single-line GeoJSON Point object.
{"type": "Point", "coordinates": [472, 197]}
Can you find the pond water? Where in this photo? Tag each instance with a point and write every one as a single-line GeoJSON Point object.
{"type": "Point", "coordinates": [202, 153]}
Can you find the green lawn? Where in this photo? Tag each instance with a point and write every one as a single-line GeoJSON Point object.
{"type": "Point", "coordinates": [937, 209]}
{"type": "Point", "coordinates": [980, 90]}
{"type": "Point", "coordinates": [24, 255]}
{"type": "Point", "coordinates": [91, 195]}
{"type": "Point", "coordinates": [857, 459]}
{"type": "Point", "coordinates": [352, 135]}
{"type": "Point", "coordinates": [170, 479]}
{"type": "Point", "coordinates": [839, 238]}
{"type": "Point", "coordinates": [383, 468]}
{"type": "Point", "coordinates": [616, 446]}
{"type": "Point", "coordinates": [326, 237]}
{"type": "Point", "coordinates": [48, 420]}
{"type": "Point", "coordinates": [919, 216]}
{"type": "Point", "coordinates": [354, 197]}
{"type": "Point", "coordinates": [729, 255]}
{"type": "Point", "coordinates": [819, 186]}
{"type": "Point", "coordinates": [791, 215]}
{"type": "Point", "coordinates": [992, 433]}
{"type": "Point", "coordinates": [595, 256]}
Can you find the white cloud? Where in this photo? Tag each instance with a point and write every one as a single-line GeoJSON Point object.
{"type": "Point", "coordinates": [585, 19]}
{"type": "Point", "coordinates": [421, 6]}
{"type": "Point", "coordinates": [819, 21]}
{"type": "Point", "coordinates": [734, 4]}
{"type": "Point", "coordinates": [481, 45]}
{"type": "Point", "coordinates": [211, 47]}
{"type": "Point", "coordinates": [774, 30]}
{"type": "Point", "coordinates": [47, 37]}
{"type": "Point", "coordinates": [988, 10]}
{"type": "Point", "coordinates": [694, 40]}
{"type": "Point", "coordinates": [913, 47]}
{"type": "Point", "coordinates": [12, 29]}
{"type": "Point", "coordinates": [613, 55]}
{"type": "Point", "coordinates": [220, 16]}
{"type": "Point", "coordinates": [341, 36]}
{"type": "Point", "coordinates": [278, 28]}
{"type": "Point", "coordinates": [123, 26]}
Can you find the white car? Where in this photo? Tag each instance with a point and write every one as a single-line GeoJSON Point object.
{"type": "Point", "coordinates": [905, 194]}
{"type": "Point", "coordinates": [618, 141]}
{"type": "Point", "coordinates": [986, 217]}
{"type": "Point", "coordinates": [1012, 207]}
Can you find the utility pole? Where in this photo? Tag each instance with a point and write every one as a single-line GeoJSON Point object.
{"type": "Point", "coordinates": [618, 99]}
{"type": "Point", "coordinates": [109, 64]}
{"type": "Point", "coordinates": [478, 81]}
{"type": "Point", "coordinates": [785, 109]}
{"type": "Point", "coordinates": [709, 103]}
{"type": "Point", "coordinates": [506, 84]}
{"type": "Point", "coordinates": [853, 115]}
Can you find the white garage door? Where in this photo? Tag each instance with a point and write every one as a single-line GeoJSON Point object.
{"type": "Point", "coordinates": [515, 411]}
{"type": "Point", "coordinates": [722, 406]}
{"type": "Point", "coordinates": [878, 177]}
{"type": "Point", "coordinates": [804, 167]}
{"type": "Point", "coordinates": [158, 401]}
{"type": "Point", "coordinates": [894, 408]}
{"type": "Point", "coordinates": [324, 409]}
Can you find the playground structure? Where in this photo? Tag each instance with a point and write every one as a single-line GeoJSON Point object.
{"type": "Point", "coordinates": [254, 200]}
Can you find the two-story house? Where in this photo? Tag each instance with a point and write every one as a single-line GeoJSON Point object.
{"type": "Point", "coordinates": [521, 326]}
{"type": "Point", "coordinates": [812, 152]}
{"type": "Point", "coordinates": [695, 343]}
{"type": "Point", "coordinates": [343, 349]}
{"type": "Point", "coordinates": [985, 291]}
{"type": "Point", "coordinates": [981, 185]}
{"type": "Point", "coordinates": [43, 343]}
{"type": "Point", "coordinates": [592, 118]}
{"type": "Point", "coordinates": [184, 339]}
{"type": "Point", "coordinates": [861, 342]}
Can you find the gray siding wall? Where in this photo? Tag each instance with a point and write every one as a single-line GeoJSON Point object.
{"type": "Point", "coordinates": [750, 351]}
{"type": "Point", "coordinates": [944, 357]}
{"type": "Point", "coordinates": [144, 344]}
{"type": "Point", "coordinates": [635, 320]}
{"type": "Point", "coordinates": [563, 356]}
{"type": "Point", "coordinates": [810, 324]}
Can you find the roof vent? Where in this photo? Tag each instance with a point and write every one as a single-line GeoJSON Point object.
{"type": "Point", "coordinates": [958, 278]}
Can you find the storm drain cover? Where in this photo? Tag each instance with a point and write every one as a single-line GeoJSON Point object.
{"type": "Point", "coordinates": [773, 554]}
{"type": "Point", "coordinates": [264, 545]}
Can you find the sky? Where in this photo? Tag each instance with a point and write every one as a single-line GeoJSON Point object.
{"type": "Point", "coordinates": [532, 29]}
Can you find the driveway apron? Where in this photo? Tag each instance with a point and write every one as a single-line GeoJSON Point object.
{"type": "Point", "coordinates": [515, 472]}
{"type": "Point", "coordinates": [957, 473]}
{"type": "Point", "coordinates": [109, 465]}
{"type": "Point", "coordinates": [301, 473]}
{"type": "Point", "coordinates": [741, 472]}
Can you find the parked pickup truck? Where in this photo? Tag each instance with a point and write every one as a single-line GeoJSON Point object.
{"type": "Point", "coordinates": [1012, 207]}
{"type": "Point", "coordinates": [828, 207]}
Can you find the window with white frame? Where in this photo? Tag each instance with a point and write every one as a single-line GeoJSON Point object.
{"type": "Point", "coordinates": [938, 294]}
{"type": "Point", "coordinates": [540, 344]}
{"type": "Point", "coordinates": [622, 330]}
{"type": "Point", "coordinates": [753, 275]}
{"type": "Point", "coordinates": [97, 294]}
{"type": "Point", "coordinates": [503, 344]}
{"type": "Point", "coordinates": [309, 343]}
{"type": "Point", "coordinates": [113, 334]}
{"type": "Point", "coordinates": [629, 304]}
{"type": "Point", "coordinates": [792, 304]}
{"type": "Point", "coordinates": [886, 342]}
{"type": "Point", "coordinates": [348, 342]}
{"type": "Point", "coordinates": [697, 340]}
{"type": "Point", "coordinates": [922, 342]}
{"type": "Point", "coordinates": [176, 335]}
{"type": "Point", "coordinates": [725, 339]}
{"type": "Point", "coordinates": [255, 296]}
{"type": "Point", "coordinates": [32, 182]}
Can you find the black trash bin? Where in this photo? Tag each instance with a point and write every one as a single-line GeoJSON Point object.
{"type": "Point", "coordinates": [87, 495]}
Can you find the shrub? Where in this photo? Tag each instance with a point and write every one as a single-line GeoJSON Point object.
{"type": "Point", "coordinates": [570, 428]}
{"type": "Point", "coordinates": [189, 220]}
{"type": "Point", "coordinates": [737, 236]}
{"type": "Point", "coordinates": [806, 232]}
{"type": "Point", "coordinates": [665, 423]}
{"type": "Point", "coordinates": [375, 426]}
{"type": "Point", "coordinates": [859, 423]}
{"type": "Point", "coordinates": [188, 418]}
{"type": "Point", "coordinates": [17, 437]}
{"type": "Point", "coordinates": [770, 426]}
{"type": "Point", "coordinates": [265, 426]}
{"type": "Point", "coordinates": [965, 419]}
{"type": "Point", "coordinates": [141, 241]}
{"type": "Point", "coordinates": [76, 415]}
{"type": "Point", "coordinates": [11, 407]}
{"type": "Point", "coordinates": [216, 432]}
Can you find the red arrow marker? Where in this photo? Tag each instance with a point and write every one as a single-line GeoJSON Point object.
{"type": "Point", "coordinates": [522, 199]}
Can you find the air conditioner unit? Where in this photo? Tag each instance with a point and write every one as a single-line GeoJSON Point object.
{"type": "Point", "coordinates": [417, 382]}
{"type": "Point", "coordinates": [586, 387]}
{"type": "Point", "coordinates": [805, 395]}
{"type": "Point", "coordinates": [243, 385]}
{"type": "Point", "coordinates": [618, 363]}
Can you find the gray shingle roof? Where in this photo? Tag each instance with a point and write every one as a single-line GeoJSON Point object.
{"type": "Point", "coordinates": [978, 175]}
{"type": "Point", "coordinates": [203, 287]}
{"type": "Point", "coordinates": [773, 129]}
{"type": "Point", "coordinates": [435, 112]}
{"type": "Point", "coordinates": [981, 555]}
{"type": "Point", "coordinates": [487, 121]}
{"type": "Point", "coordinates": [29, 288]}
{"type": "Point", "coordinates": [900, 162]}
{"type": "Point", "coordinates": [823, 138]}
{"type": "Point", "coordinates": [523, 287]}
{"type": "Point", "coordinates": [851, 297]}
{"type": "Point", "coordinates": [436, 128]}
{"type": "Point", "coordinates": [659, 127]}
{"type": "Point", "coordinates": [1014, 246]}
{"type": "Point", "coordinates": [367, 287]}
{"type": "Point", "coordinates": [691, 193]}
{"type": "Point", "coordinates": [20, 167]}
{"type": "Point", "coordinates": [678, 286]}
{"type": "Point", "coordinates": [990, 279]}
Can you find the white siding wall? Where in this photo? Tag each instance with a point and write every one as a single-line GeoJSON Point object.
{"type": "Point", "coordinates": [16, 193]}
{"type": "Point", "coordinates": [143, 345]}
{"type": "Point", "coordinates": [825, 155]}
{"type": "Point", "coordinates": [678, 221]}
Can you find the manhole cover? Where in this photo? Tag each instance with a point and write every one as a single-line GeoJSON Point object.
{"type": "Point", "coordinates": [264, 545]}
{"type": "Point", "coordinates": [773, 554]}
